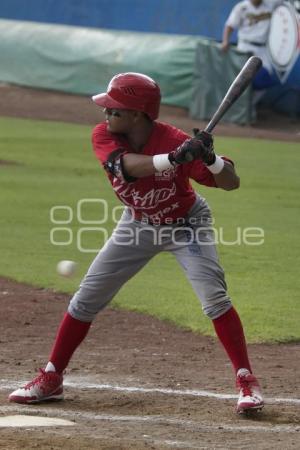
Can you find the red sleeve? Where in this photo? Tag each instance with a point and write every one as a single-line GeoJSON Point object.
{"type": "Point", "coordinates": [104, 142]}
{"type": "Point", "coordinates": [200, 173]}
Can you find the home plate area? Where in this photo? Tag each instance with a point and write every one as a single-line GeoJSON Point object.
{"type": "Point", "coordinates": [138, 383]}
{"type": "Point", "coordinates": [19, 421]}
{"type": "Point", "coordinates": [103, 415]}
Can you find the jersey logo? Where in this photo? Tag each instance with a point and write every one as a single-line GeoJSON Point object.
{"type": "Point", "coordinates": [149, 200]}
{"type": "Point", "coordinates": [165, 175]}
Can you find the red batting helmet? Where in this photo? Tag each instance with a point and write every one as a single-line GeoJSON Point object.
{"type": "Point", "coordinates": [131, 91]}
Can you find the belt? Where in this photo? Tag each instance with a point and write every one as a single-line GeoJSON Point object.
{"type": "Point", "coordinates": [257, 44]}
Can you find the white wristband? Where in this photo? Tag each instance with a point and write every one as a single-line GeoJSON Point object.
{"type": "Point", "coordinates": [217, 166]}
{"type": "Point", "coordinates": [161, 162]}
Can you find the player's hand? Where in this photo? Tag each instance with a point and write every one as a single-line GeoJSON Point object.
{"type": "Point", "coordinates": [199, 147]}
{"type": "Point", "coordinates": [224, 47]}
{"type": "Point", "coordinates": [207, 154]}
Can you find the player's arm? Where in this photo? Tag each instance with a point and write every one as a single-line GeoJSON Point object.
{"type": "Point", "coordinates": [138, 166]}
{"type": "Point", "coordinates": [117, 159]}
{"type": "Point", "coordinates": [222, 169]}
{"type": "Point", "coordinates": [214, 170]}
{"type": "Point", "coordinates": [233, 22]}
{"type": "Point", "coordinates": [127, 166]}
{"type": "Point", "coordinates": [226, 38]}
{"type": "Point", "coordinates": [200, 147]}
{"type": "Point", "coordinates": [227, 179]}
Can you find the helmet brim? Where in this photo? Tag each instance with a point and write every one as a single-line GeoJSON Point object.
{"type": "Point", "coordinates": [106, 101]}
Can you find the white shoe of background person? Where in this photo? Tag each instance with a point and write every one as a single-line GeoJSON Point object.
{"type": "Point", "coordinates": [250, 397]}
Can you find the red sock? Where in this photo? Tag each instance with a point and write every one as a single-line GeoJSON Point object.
{"type": "Point", "coordinates": [229, 330]}
{"type": "Point", "coordinates": [69, 336]}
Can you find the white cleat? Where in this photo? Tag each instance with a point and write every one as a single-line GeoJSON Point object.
{"type": "Point", "coordinates": [46, 386]}
{"type": "Point", "coordinates": [250, 397]}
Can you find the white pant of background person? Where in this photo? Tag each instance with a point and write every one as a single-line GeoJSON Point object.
{"type": "Point", "coordinates": [263, 54]}
{"type": "Point", "coordinates": [260, 51]}
{"type": "Point", "coordinates": [123, 256]}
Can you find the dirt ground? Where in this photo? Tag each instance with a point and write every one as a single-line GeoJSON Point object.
{"type": "Point", "coordinates": [138, 383]}
{"type": "Point", "coordinates": [17, 101]}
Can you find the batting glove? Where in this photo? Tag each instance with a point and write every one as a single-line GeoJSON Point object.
{"type": "Point", "coordinates": [199, 147]}
{"type": "Point", "coordinates": [207, 155]}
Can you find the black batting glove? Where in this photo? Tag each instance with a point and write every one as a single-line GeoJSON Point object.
{"type": "Point", "coordinates": [183, 154]}
{"type": "Point", "coordinates": [199, 147]}
{"type": "Point", "coordinates": [208, 155]}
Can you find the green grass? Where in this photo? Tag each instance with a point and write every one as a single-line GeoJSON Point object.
{"type": "Point", "coordinates": [56, 166]}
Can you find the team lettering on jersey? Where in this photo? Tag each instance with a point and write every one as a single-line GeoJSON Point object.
{"type": "Point", "coordinates": [148, 200]}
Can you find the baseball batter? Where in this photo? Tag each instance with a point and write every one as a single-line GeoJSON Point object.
{"type": "Point", "coordinates": [150, 164]}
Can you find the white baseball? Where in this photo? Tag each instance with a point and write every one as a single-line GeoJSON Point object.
{"type": "Point", "coordinates": [66, 268]}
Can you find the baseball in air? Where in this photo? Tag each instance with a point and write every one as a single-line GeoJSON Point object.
{"type": "Point", "coordinates": [66, 268]}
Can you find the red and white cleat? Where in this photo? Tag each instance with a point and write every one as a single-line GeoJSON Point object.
{"type": "Point", "coordinates": [250, 398]}
{"type": "Point", "coordinates": [46, 386]}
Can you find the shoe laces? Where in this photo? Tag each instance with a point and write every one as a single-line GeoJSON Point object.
{"type": "Point", "coordinates": [246, 383]}
{"type": "Point", "coordinates": [43, 376]}
{"type": "Point", "coordinates": [245, 387]}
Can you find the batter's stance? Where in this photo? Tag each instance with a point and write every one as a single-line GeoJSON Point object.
{"type": "Point", "coordinates": [149, 164]}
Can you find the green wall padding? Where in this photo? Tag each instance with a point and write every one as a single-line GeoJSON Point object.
{"type": "Point", "coordinates": [214, 73]}
{"type": "Point", "coordinates": [191, 71]}
{"type": "Point", "coordinates": [83, 60]}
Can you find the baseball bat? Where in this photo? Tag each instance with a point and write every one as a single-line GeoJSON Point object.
{"type": "Point", "coordinates": [235, 90]}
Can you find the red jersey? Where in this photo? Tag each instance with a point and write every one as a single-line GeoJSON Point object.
{"type": "Point", "coordinates": [164, 196]}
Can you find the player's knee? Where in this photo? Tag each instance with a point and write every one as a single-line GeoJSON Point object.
{"type": "Point", "coordinates": [81, 313]}
{"type": "Point", "coordinates": [86, 304]}
{"type": "Point", "coordinates": [216, 309]}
